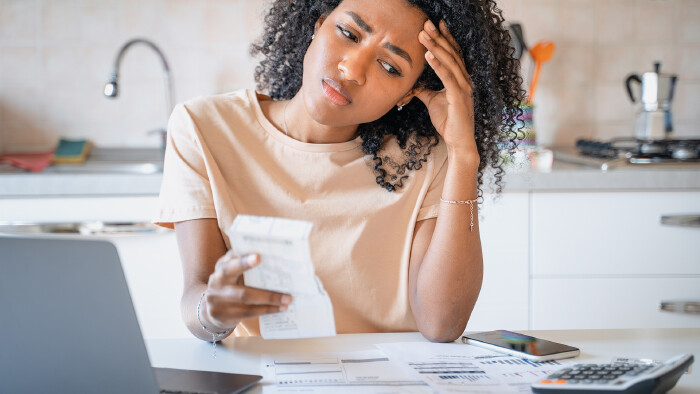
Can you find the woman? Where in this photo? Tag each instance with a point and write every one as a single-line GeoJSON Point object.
{"type": "Point", "coordinates": [382, 118]}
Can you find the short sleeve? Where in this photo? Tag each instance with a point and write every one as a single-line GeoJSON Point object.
{"type": "Point", "coordinates": [431, 202]}
{"type": "Point", "coordinates": [185, 191]}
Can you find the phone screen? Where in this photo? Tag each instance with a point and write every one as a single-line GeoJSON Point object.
{"type": "Point", "coordinates": [521, 343]}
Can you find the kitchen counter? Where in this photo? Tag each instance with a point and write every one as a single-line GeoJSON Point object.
{"type": "Point", "coordinates": [563, 177]}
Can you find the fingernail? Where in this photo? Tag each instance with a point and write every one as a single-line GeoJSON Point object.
{"type": "Point", "coordinates": [431, 26]}
{"type": "Point", "coordinates": [426, 36]}
{"type": "Point", "coordinates": [430, 55]}
{"type": "Point", "coordinates": [286, 299]}
{"type": "Point", "coordinates": [251, 259]}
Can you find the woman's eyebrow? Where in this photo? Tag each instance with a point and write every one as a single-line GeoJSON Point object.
{"type": "Point", "coordinates": [399, 52]}
{"type": "Point", "coordinates": [393, 48]}
{"type": "Point", "coordinates": [363, 25]}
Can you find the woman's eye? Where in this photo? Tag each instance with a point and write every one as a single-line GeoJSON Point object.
{"type": "Point", "coordinates": [389, 68]}
{"type": "Point", "coordinates": [347, 33]}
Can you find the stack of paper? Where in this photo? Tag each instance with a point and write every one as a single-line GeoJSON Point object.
{"type": "Point", "coordinates": [285, 267]}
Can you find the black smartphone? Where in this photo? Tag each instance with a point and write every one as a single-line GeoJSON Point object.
{"type": "Point", "coordinates": [520, 345]}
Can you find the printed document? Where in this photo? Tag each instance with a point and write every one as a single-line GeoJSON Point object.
{"type": "Point", "coordinates": [460, 368]}
{"type": "Point", "coordinates": [368, 371]}
{"type": "Point", "coordinates": [286, 267]}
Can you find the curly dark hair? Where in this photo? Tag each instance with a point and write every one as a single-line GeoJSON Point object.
{"type": "Point", "coordinates": [478, 28]}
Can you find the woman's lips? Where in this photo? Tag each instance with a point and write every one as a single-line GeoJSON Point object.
{"type": "Point", "coordinates": [335, 93]}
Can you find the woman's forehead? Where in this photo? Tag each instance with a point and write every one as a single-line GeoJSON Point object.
{"type": "Point", "coordinates": [385, 14]}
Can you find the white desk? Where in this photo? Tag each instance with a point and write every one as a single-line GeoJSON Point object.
{"type": "Point", "coordinates": [242, 355]}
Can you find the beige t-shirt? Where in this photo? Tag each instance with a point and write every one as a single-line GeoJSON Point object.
{"type": "Point", "coordinates": [224, 157]}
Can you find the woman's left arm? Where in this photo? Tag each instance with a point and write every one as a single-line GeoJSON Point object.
{"type": "Point", "coordinates": [446, 266]}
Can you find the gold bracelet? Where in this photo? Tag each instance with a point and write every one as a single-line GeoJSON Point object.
{"type": "Point", "coordinates": [471, 209]}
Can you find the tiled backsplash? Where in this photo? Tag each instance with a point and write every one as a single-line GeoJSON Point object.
{"type": "Point", "coordinates": [56, 55]}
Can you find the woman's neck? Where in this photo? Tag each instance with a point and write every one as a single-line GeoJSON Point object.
{"type": "Point", "coordinates": [292, 118]}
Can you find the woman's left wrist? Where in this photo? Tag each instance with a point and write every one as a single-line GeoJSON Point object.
{"type": "Point", "coordinates": [463, 156]}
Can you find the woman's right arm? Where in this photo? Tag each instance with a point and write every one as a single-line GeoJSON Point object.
{"type": "Point", "coordinates": [208, 267]}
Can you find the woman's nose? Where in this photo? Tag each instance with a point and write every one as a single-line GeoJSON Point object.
{"type": "Point", "coordinates": [354, 67]}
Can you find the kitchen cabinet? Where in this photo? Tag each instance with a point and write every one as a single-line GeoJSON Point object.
{"type": "Point", "coordinates": [503, 301]}
{"type": "Point", "coordinates": [150, 260]}
{"type": "Point", "coordinates": [611, 302]}
{"type": "Point", "coordinates": [552, 260]}
{"type": "Point", "coordinates": [604, 260]}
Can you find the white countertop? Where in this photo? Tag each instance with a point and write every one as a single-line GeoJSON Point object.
{"type": "Point", "coordinates": [563, 177]}
{"type": "Point", "coordinates": [242, 355]}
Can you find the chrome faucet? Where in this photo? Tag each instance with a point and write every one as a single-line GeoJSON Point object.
{"type": "Point", "coordinates": [111, 89]}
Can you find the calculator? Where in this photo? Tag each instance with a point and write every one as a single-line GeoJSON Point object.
{"type": "Point", "coordinates": [616, 377]}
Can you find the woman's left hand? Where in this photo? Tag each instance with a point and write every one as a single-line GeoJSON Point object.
{"type": "Point", "coordinates": [452, 108]}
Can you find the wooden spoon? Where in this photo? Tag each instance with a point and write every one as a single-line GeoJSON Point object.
{"type": "Point", "coordinates": [540, 53]}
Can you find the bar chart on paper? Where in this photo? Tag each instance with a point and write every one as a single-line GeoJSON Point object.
{"type": "Point", "coordinates": [468, 369]}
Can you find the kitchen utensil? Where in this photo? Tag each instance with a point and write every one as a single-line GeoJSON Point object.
{"type": "Point", "coordinates": [654, 118]}
{"type": "Point", "coordinates": [541, 53]}
{"type": "Point", "coordinates": [517, 41]}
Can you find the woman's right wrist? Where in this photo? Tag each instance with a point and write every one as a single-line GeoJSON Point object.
{"type": "Point", "coordinates": [211, 328]}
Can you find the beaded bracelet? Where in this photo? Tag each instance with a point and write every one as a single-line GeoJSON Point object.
{"type": "Point", "coordinates": [214, 335]}
{"type": "Point", "coordinates": [471, 209]}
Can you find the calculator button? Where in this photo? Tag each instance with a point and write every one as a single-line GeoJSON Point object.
{"type": "Point", "coordinates": [567, 376]}
{"type": "Point", "coordinates": [573, 380]}
{"type": "Point", "coordinates": [560, 381]}
{"type": "Point", "coordinates": [594, 377]}
{"type": "Point", "coordinates": [546, 381]}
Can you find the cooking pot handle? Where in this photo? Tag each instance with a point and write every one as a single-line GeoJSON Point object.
{"type": "Point", "coordinates": [628, 81]}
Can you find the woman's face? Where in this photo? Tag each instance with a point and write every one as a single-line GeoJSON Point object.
{"type": "Point", "coordinates": [364, 59]}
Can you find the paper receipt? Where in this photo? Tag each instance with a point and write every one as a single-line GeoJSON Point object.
{"type": "Point", "coordinates": [286, 267]}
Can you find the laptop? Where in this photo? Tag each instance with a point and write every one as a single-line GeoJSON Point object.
{"type": "Point", "coordinates": [67, 325]}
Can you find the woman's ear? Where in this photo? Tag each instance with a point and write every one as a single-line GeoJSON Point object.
{"type": "Point", "coordinates": [409, 96]}
{"type": "Point", "coordinates": [319, 22]}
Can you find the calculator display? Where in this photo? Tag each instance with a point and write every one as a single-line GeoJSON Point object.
{"type": "Point", "coordinates": [520, 342]}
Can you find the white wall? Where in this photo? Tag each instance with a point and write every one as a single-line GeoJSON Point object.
{"type": "Point", "coordinates": [56, 55]}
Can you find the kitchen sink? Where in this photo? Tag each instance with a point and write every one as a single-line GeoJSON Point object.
{"type": "Point", "coordinates": [79, 228]}
{"type": "Point", "coordinates": [114, 167]}
{"type": "Point", "coordinates": [142, 161]}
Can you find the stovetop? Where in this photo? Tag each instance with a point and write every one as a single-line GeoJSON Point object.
{"type": "Point", "coordinates": [633, 153]}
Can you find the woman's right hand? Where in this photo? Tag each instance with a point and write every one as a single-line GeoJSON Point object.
{"type": "Point", "coordinates": [229, 300]}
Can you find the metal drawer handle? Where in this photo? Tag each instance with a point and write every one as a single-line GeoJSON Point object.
{"type": "Point", "coordinates": [690, 220]}
{"type": "Point", "coordinates": [82, 228]}
{"type": "Point", "coordinates": [689, 307]}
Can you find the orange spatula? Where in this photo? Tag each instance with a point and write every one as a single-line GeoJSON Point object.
{"type": "Point", "coordinates": [540, 53]}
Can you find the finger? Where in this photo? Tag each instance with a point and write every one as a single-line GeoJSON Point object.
{"type": "Point", "coordinates": [248, 296]}
{"type": "Point", "coordinates": [426, 95]}
{"type": "Point", "coordinates": [231, 313]}
{"type": "Point", "coordinates": [233, 266]}
{"type": "Point", "coordinates": [450, 72]}
{"type": "Point", "coordinates": [441, 42]}
{"type": "Point", "coordinates": [453, 42]}
{"type": "Point", "coordinates": [448, 78]}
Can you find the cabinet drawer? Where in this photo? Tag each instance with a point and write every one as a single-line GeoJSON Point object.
{"type": "Point", "coordinates": [613, 233]}
{"type": "Point", "coordinates": [78, 209]}
{"type": "Point", "coordinates": [611, 303]}
{"type": "Point", "coordinates": [503, 300]}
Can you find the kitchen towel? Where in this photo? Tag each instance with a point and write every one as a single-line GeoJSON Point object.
{"type": "Point", "coordinates": [34, 162]}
